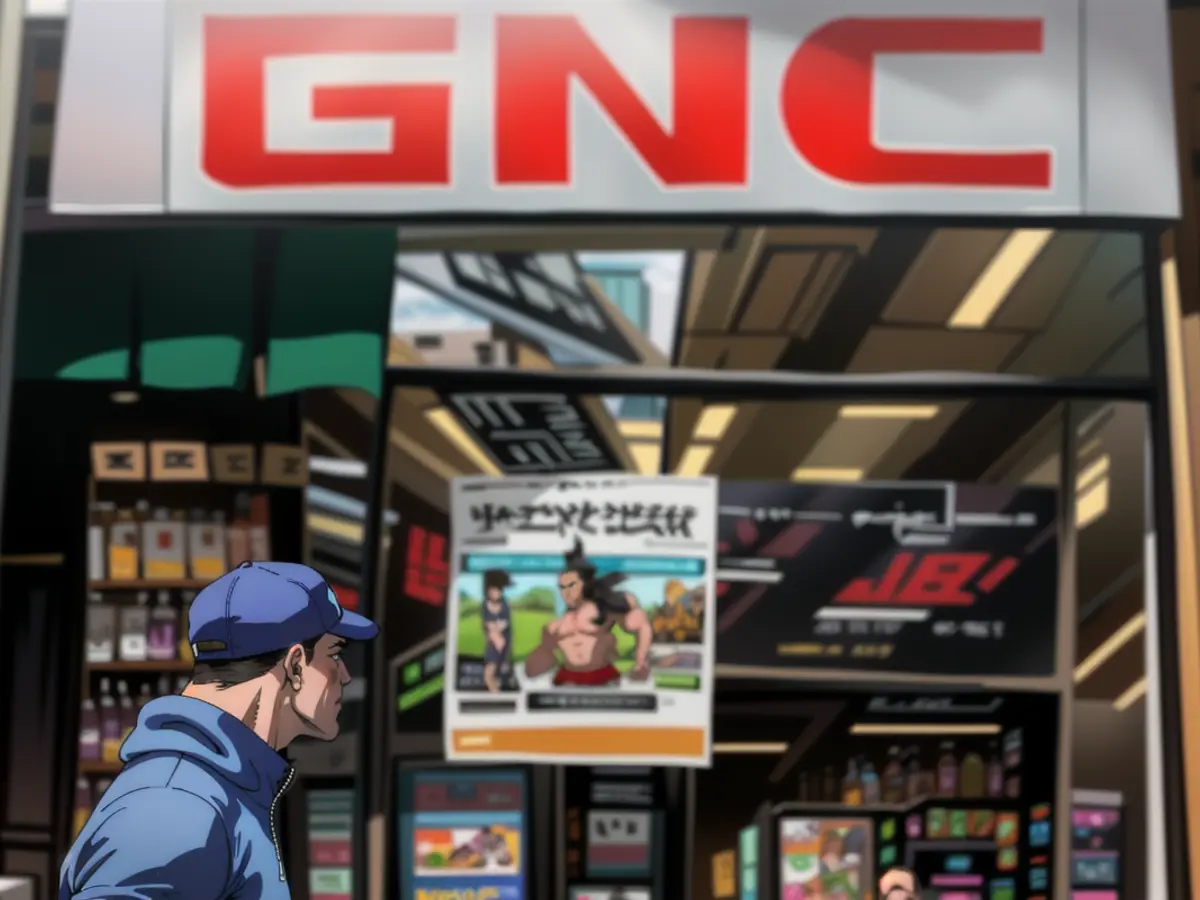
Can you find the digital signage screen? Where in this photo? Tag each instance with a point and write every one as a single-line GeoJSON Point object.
{"type": "Point", "coordinates": [463, 834]}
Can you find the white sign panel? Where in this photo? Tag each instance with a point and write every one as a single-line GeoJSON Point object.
{"type": "Point", "coordinates": [579, 628]}
{"type": "Point", "coordinates": [857, 107]}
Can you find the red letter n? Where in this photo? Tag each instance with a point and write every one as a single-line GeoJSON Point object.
{"type": "Point", "coordinates": [538, 57]}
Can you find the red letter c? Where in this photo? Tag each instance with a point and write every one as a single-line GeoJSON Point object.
{"type": "Point", "coordinates": [827, 102]}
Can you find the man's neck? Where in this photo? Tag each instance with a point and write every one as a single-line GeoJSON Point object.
{"type": "Point", "coordinates": [253, 704]}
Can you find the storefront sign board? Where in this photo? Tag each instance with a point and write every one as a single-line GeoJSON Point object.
{"type": "Point", "coordinates": [855, 107]}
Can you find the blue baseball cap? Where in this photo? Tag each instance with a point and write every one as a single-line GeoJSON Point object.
{"type": "Point", "coordinates": [264, 607]}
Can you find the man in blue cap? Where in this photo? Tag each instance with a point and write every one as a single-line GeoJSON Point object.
{"type": "Point", "coordinates": [194, 813]}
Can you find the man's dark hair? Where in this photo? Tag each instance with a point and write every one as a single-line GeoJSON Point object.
{"type": "Point", "coordinates": [600, 590]}
{"type": "Point", "coordinates": [230, 673]}
{"type": "Point", "coordinates": [495, 578]}
{"type": "Point", "coordinates": [904, 870]}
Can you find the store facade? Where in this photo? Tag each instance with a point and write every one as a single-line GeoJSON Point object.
{"type": "Point", "coordinates": [1062, 154]}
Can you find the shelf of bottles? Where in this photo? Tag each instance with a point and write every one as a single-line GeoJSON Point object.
{"type": "Point", "coordinates": [146, 563]}
{"type": "Point", "coordinates": [953, 771]}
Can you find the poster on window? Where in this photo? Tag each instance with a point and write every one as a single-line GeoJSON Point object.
{"type": "Point", "coordinates": [578, 629]}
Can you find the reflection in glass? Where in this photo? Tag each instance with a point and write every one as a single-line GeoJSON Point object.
{"type": "Point", "coordinates": [824, 299]}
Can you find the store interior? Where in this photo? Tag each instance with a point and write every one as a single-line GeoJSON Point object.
{"type": "Point", "coordinates": [826, 300]}
{"type": "Point", "coordinates": [554, 302]}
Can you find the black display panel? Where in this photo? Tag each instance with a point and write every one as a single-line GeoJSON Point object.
{"type": "Point", "coordinates": [542, 433]}
{"type": "Point", "coordinates": [940, 579]}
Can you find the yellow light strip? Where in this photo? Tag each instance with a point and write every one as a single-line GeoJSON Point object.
{"type": "Point", "coordinates": [639, 429]}
{"type": "Point", "coordinates": [890, 728]}
{"type": "Point", "coordinates": [1093, 473]}
{"type": "Point", "coordinates": [449, 426]}
{"type": "Point", "coordinates": [751, 749]}
{"type": "Point", "coordinates": [995, 283]}
{"type": "Point", "coordinates": [1132, 695]}
{"type": "Point", "coordinates": [902, 413]}
{"type": "Point", "coordinates": [1108, 649]}
{"type": "Point", "coordinates": [695, 461]}
{"type": "Point", "coordinates": [1091, 505]}
{"type": "Point", "coordinates": [646, 456]}
{"type": "Point", "coordinates": [349, 531]}
{"type": "Point", "coordinates": [825, 473]}
{"type": "Point", "coordinates": [714, 422]}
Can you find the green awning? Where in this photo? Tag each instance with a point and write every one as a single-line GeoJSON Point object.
{"type": "Point", "coordinates": [331, 310]}
{"type": "Point", "coordinates": [75, 307]}
{"type": "Point", "coordinates": [187, 300]}
{"type": "Point", "coordinates": [196, 301]}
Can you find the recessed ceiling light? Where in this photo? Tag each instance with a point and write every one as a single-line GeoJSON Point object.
{"type": "Point", "coordinates": [903, 413]}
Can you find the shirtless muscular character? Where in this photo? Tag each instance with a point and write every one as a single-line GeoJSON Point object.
{"type": "Point", "coordinates": [583, 634]}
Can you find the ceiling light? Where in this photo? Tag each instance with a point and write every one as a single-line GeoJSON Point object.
{"type": "Point", "coordinates": [640, 429]}
{"type": "Point", "coordinates": [449, 426]}
{"type": "Point", "coordinates": [825, 473]}
{"type": "Point", "coordinates": [335, 467]}
{"type": "Point", "coordinates": [890, 728]}
{"type": "Point", "coordinates": [751, 749]}
{"type": "Point", "coordinates": [993, 286]}
{"type": "Point", "coordinates": [1136, 692]}
{"type": "Point", "coordinates": [1108, 649]}
{"type": "Point", "coordinates": [903, 413]}
{"type": "Point", "coordinates": [1093, 473]}
{"type": "Point", "coordinates": [647, 457]}
{"type": "Point", "coordinates": [695, 461]}
{"type": "Point", "coordinates": [1091, 506]}
{"type": "Point", "coordinates": [713, 423]}
{"type": "Point", "coordinates": [124, 397]}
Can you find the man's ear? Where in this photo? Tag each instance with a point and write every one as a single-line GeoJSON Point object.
{"type": "Point", "coordinates": [293, 665]}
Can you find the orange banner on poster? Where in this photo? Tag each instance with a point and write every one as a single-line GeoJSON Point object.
{"type": "Point", "coordinates": [679, 742]}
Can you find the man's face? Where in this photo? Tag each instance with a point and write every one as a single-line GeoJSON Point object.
{"type": "Point", "coordinates": [897, 884]}
{"type": "Point", "coordinates": [570, 585]}
{"type": "Point", "coordinates": [322, 679]}
{"type": "Point", "coordinates": [494, 594]}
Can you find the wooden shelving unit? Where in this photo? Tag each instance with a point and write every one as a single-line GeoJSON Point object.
{"type": "Point", "coordinates": [149, 666]}
{"type": "Point", "coordinates": [93, 767]}
{"type": "Point", "coordinates": [149, 584]}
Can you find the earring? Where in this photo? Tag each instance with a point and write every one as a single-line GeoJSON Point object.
{"type": "Point", "coordinates": [296, 686]}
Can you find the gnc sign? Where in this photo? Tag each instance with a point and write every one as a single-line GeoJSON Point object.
{"type": "Point", "coordinates": [613, 106]}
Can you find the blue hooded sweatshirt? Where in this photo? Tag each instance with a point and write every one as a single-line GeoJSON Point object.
{"type": "Point", "coordinates": [192, 816]}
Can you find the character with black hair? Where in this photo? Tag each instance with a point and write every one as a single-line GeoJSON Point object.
{"type": "Point", "coordinates": [583, 634]}
{"type": "Point", "coordinates": [497, 629]}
